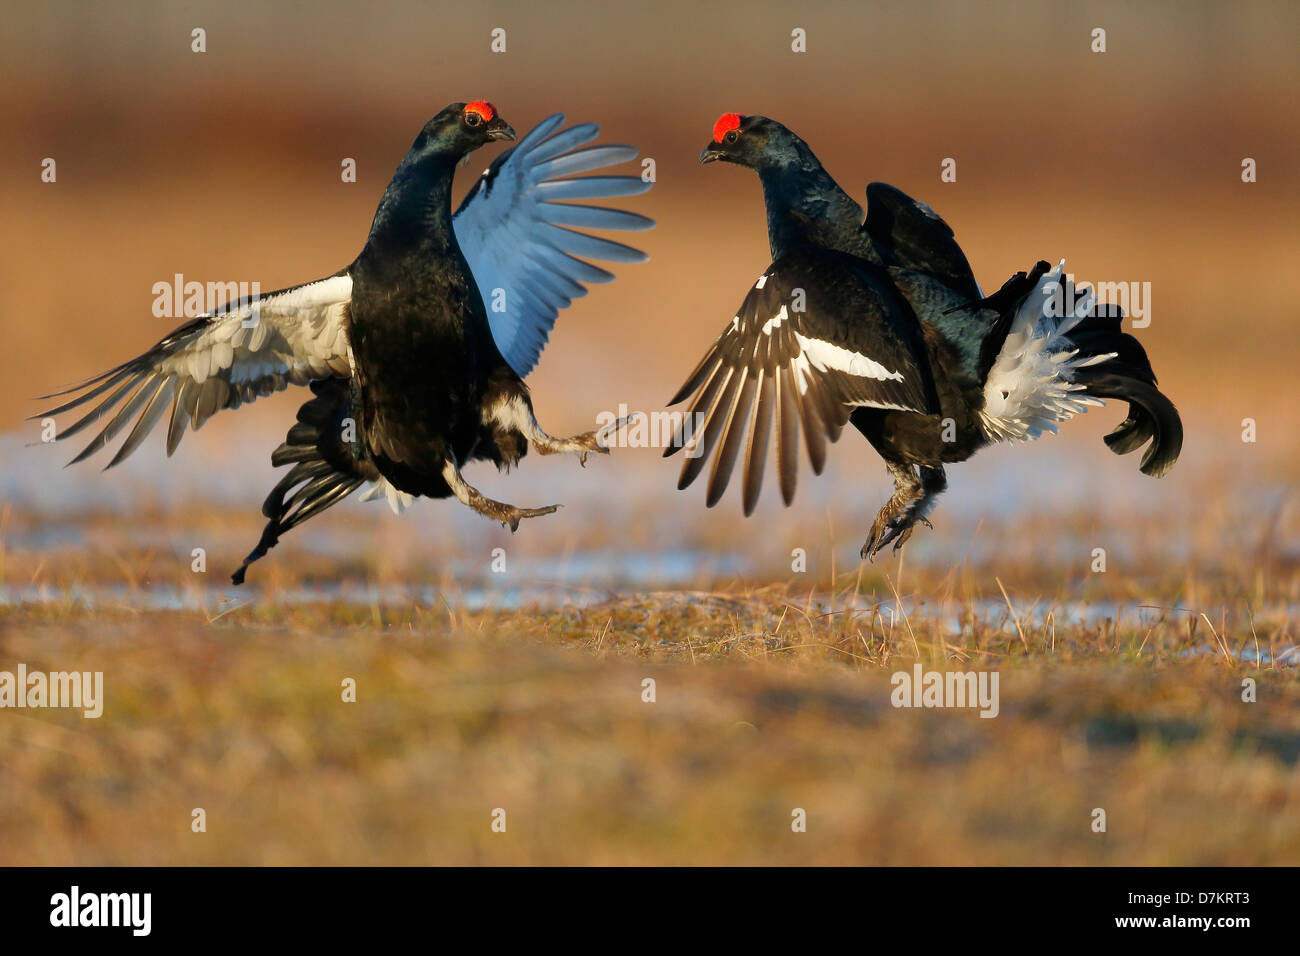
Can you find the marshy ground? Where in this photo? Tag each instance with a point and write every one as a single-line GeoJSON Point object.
{"type": "Point", "coordinates": [525, 691]}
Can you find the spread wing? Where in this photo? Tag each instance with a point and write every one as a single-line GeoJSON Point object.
{"type": "Point", "coordinates": [818, 335]}
{"type": "Point", "coordinates": [513, 231]}
{"type": "Point", "coordinates": [249, 348]}
{"type": "Point", "coordinates": [916, 238]}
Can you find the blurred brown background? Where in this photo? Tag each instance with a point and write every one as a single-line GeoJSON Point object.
{"type": "Point", "coordinates": [225, 166]}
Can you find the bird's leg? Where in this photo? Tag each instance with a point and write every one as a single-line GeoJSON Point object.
{"type": "Point", "coordinates": [912, 500]}
{"type": "Point", "coordinates": [466, 494]}
{"type": "Point", "coordinates": [907, 487]}
{"type": "Point", "coordinates": [519, 414]}
{"type": "Point", "coordinates": [933, 483]}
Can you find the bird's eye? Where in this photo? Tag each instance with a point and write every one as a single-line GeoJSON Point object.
{"type": "Point", "coordinates": [472, 119]}
{"type": "Point", "coordinates": [732, 136]}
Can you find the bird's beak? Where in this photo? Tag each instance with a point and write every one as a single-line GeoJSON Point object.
{"type": "Point", "coordinates": [710, 154]}
{"type": "Point", "coordinates": [500, 129]}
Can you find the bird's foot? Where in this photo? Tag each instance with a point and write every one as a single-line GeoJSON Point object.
{"type": "Point", "coordinates": [468, 495]}
{"type": "Point", "coordinates": [510, 516]}
{"type": "Point", "coordinates": [584, 444]}
{"type": "Point", "coordinates": [893, 528]}
{"type": "Point", "coordinates": [911, 502]}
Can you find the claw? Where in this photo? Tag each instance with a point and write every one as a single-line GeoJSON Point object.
{"type": "Point", "coordinates": [903, 511]}
{"type": "Point", "coordinates": [891, 533]}
{"type": "Point", "coordinates": [878, 539]}
{"type": "Point", "coordinates": [897, 530]}
{"type": "Point", "coordinates": [580, 445]}
{"type": "Point", "coordinates": [512, 517]}
{"type": "Point", "coordinates": [612, 428]}
{"type": "Point", "coordinates": [902, 537]}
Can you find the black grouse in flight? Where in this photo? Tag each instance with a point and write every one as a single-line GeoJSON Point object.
{"type": "Point", "coordinates": [413, 376]}
{"type": "Point", "coordinates": [877, 321]}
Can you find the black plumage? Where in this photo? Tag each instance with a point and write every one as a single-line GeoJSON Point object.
{"type": "Point", "coordinates": [877, 321]}
{"type": "Point", "coordinates": [412, 376]}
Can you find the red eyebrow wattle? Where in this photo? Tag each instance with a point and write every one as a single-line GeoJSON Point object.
{"type": "Point", "coordinates": [483, 109]}
{"type": "Point", "coordinates": [725, 124]}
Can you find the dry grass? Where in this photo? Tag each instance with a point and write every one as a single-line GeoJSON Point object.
{"type": "Point", "coordinates": [765, 701]}
{"type": "Point", "coordinates": [1119, 690]}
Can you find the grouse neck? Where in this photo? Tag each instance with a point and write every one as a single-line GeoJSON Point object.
{"type": "Point", "coordinates": [805, 206]}
{"type": "Point", "coordinates": [414, 215]}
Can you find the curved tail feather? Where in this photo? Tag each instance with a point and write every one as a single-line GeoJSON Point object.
{"type": "Point", "coordinates": [1151, 417]}
{"type": "Point", "coordinates": [328, 465]}
{"type": "Point", "coordinates": [1127, 374]}
{"type": "Point", "coordinates": [1043, 362]}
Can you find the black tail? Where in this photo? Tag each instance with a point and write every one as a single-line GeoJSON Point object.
{"type": "Point", "coordinates": [1128, 376]}
{"type": "Point", "coordinates": [329, 463]}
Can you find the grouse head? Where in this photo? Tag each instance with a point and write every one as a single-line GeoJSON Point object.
{"type": "Point", "coordinates": [754, 141]}
{"type": "Point", "coordinates": [461, 128]}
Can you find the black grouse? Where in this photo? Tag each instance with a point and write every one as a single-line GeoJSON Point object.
{"type": "Point", "coordinates": [878, 321]}
{"type": "Point", "coordinates": [413, 376]}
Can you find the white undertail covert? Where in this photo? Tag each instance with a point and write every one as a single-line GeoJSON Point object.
{"type": "Point", "coordinates": [1031, 387]}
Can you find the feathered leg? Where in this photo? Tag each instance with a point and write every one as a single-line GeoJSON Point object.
{"type": "Point", "coordinates": [912, 500]}
{"type": "Point", "coordinates": [517, 414]}
{"type": "Point", "coordinates": [466, 494]}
